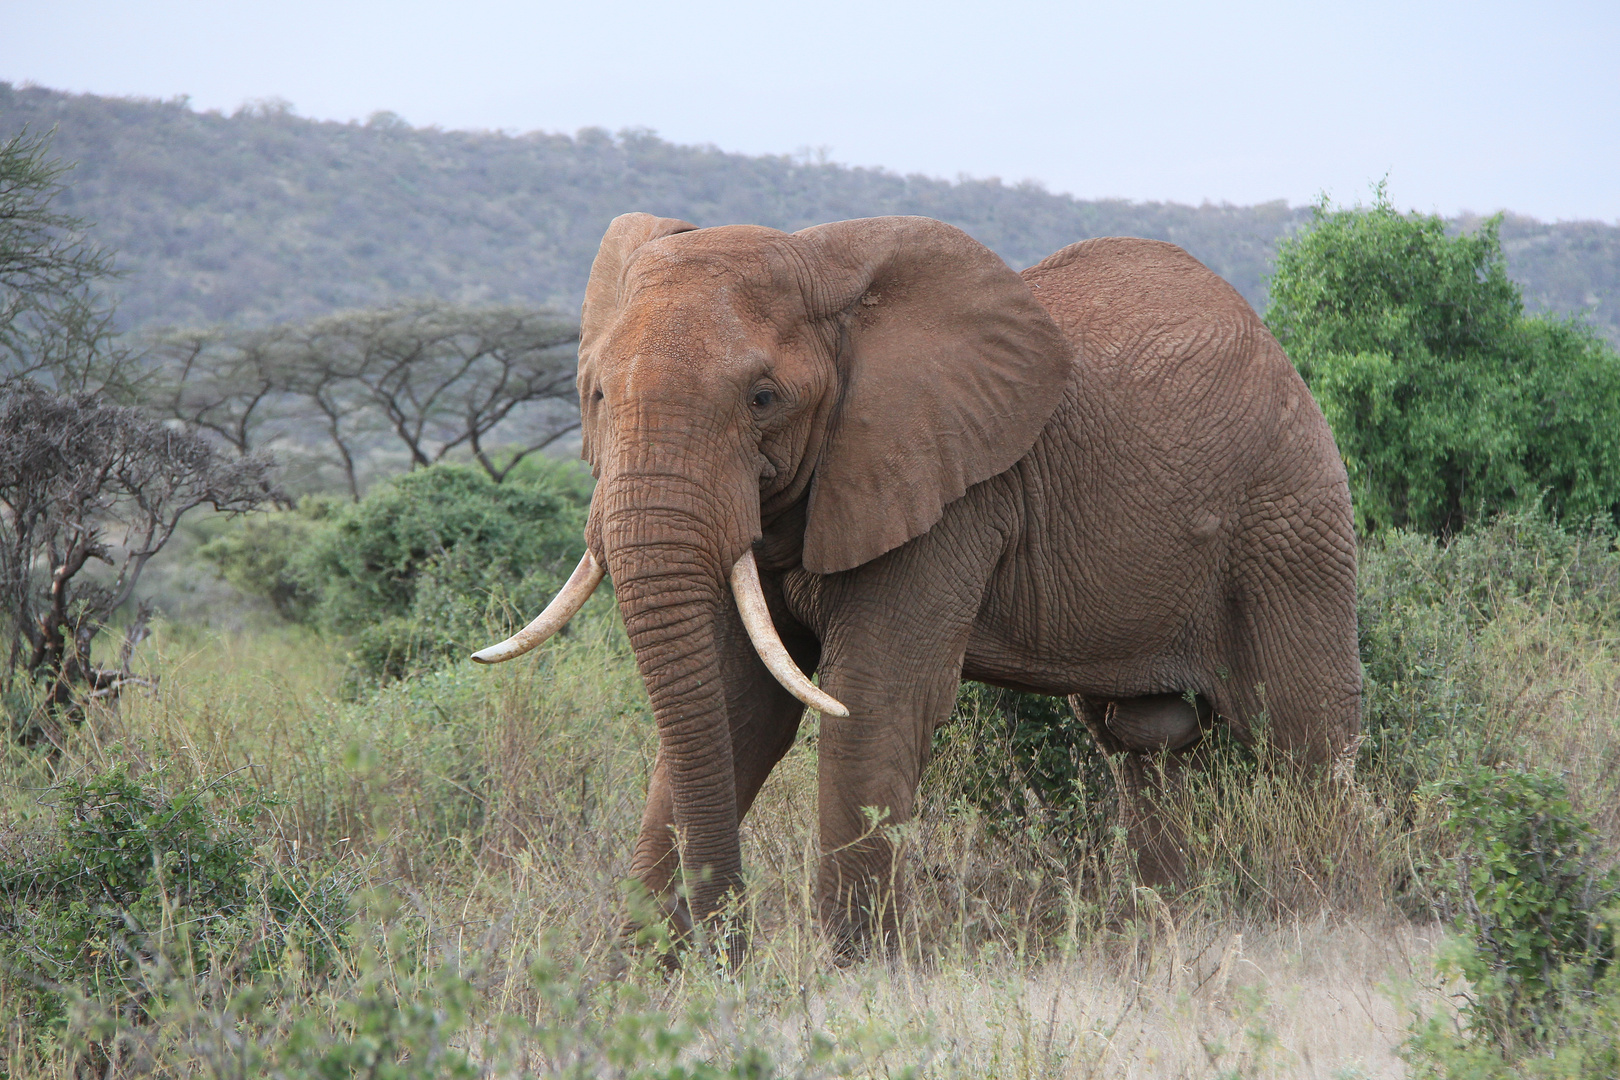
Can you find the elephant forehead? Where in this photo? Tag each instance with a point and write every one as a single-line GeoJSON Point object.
{"type": "Point", "coordinates": [752, 250]}
{"type": "Point", "coordinates": [758, 267]}
{"type": "Point", "coordinates": [668, 333]}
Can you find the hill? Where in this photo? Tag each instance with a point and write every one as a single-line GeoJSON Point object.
{"type": "Point", "coordinates": [263, 215]}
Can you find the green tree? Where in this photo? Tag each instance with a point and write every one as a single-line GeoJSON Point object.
{"type": "Point", "coordinates": [1446, 399]}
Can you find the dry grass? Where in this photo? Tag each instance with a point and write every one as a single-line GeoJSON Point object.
{"type": "Point", "coordinates": [491, 814]}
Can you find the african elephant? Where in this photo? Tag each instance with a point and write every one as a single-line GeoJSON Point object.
{"type": "Point", "coordinates": [871, 451]}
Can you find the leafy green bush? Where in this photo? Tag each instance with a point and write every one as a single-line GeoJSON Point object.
{"type": "Point", "coordinates": [127, 875]}
{"type": "Point", "coordinates": [444, 526]}
{"type": "Point", "coordinates": [1536, 907]}
{"type": "Point", "coordinates": [1532, 895]}
{"type": "Point", "coordinates": [403, 1028]}
{"type": "Point", "coordinates": [261, 555]}
{"type": "Point", "coordinates": [401, 1016]}
{"type": "Point", "coordinates": [1423, 607]}
{"type": "Point", "coordinates": [1447, 402]}
{"type": "Point", "coordinates": [410, 573]}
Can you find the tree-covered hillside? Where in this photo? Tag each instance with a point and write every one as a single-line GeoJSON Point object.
{"type": "Point", "coordinates": [263, 215]}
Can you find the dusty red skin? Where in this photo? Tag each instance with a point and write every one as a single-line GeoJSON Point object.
{"type": "Point", "coordinates": [1099, 478]}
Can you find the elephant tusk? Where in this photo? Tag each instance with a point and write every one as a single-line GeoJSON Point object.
{"type": "Point", "coordinates": [756, 616]}
{"type": "Point", "coordinates": [581, 583]}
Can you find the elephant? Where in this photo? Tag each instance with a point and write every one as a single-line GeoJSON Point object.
{"type": "Point", "coordinates": [871, 451]}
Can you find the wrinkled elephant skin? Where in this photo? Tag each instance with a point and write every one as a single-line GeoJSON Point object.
{"type": "Point", "coordinates": [1098, 478]}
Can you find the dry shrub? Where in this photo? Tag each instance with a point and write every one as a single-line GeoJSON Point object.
{"type": "Point", "coordinates": [1264, 839]}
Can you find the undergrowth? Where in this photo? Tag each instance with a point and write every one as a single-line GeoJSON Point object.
{"type": "Point", "coordinates": [422, 877]}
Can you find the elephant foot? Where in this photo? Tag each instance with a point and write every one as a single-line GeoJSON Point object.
{"type": "Point", "coordinates": [860, 923]}
{"type": "Point", "coordinates": [855, 943]}
{"type": "Point", "coordinates": [655, 932]}
{"type": "Point", "coordinates": [1161, 861]}
{"type": "Point", "coordinates": [670, 937]}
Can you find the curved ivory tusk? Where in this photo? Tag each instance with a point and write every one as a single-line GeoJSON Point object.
{"type": "Point", "coordinates": [756, 616]}
{"type": "Point", "coordinates": [581, 583]}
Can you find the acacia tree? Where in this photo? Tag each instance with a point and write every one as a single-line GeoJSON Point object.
{"type": "Point", "coordinates": [496, 382]}
{"type": "Point", "coordinates": [445, 377]}
{"type": "Point", "coordinates": [228, 385]}
{"type": "Point", "coordinates": [83, 481]}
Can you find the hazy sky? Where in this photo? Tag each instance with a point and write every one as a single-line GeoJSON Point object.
{"type": "Point", "coordinates": [1465, 106]}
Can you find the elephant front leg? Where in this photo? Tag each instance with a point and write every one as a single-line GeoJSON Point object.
{"type": "Point", "coordinates": [893, 634]}
{"type": "Point", "coordinates": [869, 767]}
{"type": "Point", "coordinates": [764, 720]}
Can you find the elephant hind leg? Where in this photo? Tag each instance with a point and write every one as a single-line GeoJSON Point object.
{"type": "Point", "coordinates": [1149, 741]}
{"type": "Point", "coordinates": [1294, 686]}
{"type": "Point", "coordinates": [1290, 635]}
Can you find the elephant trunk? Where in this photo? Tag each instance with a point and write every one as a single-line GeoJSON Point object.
{"type": "Point", "coordinates": [666, 560]}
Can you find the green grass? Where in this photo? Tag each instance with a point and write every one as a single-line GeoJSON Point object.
{"type": "Point", "coordinates": [481, 821]}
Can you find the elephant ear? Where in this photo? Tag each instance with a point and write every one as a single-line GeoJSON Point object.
{"type": "Point", "coordinates": [624, 235]}
{"type": "Point", "coordinates": [949, 369]}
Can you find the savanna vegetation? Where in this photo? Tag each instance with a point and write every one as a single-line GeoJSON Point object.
{"type": "Point", "coordinates": [262, 216]}
{"type": "Point", "coordinates": [306, 840]}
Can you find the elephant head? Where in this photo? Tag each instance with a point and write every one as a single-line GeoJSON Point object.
{"type": "Point", "coordinates": [866, 373]}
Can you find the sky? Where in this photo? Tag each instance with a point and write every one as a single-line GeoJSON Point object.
{"type": "Point", "coordinates": [1464, 106]}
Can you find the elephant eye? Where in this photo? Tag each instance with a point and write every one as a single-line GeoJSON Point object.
{"type": "Point", "coordinates": [763, 398]}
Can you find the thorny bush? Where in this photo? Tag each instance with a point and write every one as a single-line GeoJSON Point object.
{"type": "Point", "coordinates": [82, 482]}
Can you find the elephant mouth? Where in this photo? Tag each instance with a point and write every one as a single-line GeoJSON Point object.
{"type": "Point", "coordinates": [751, 605]}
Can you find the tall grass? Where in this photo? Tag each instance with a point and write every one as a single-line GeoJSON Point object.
{"type": "Point", "coordinates": [484, 820]}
